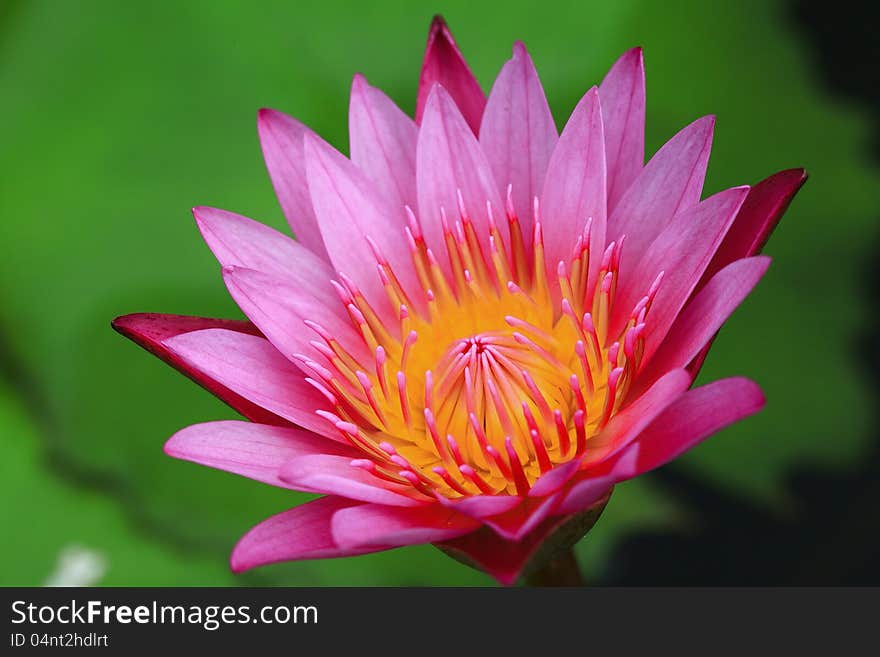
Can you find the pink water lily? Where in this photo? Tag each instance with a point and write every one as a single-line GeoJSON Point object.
{"type": "Point", "coordinates": [482, 326]}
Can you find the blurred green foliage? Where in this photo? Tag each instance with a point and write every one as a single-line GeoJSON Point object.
{"type": "Point", "coordinates": [119, 117]}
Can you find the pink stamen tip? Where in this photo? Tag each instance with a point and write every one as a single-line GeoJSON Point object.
{"type": "Point", "coordinates": [399, 461]}
{"type": "Point", "coordinates": [453, 448]}
{"type": "Point", "coordinates": [344, 296]}
{"type": "Point", "coordinates": [320, 330]}
{"type": "Point", "coordinates": [536, 208]}
{"type": "Point", "coordinates": [538, 234]}
{"type": "Point", "coordinates": [540, 451]}
{"type": "Point", "coordinates": [323, 349]}
{"type": "Point", "coordinates": [499, 462]}
{"type": "Point", "coordinates": [429, 294]}
{"type": "Point", "coordinates": [347, 427]}
{"type": "Point", "coordinates": [462, 211]}
{"type": "Point", "coordinates": [614, 377]}
{"type": "Point", "coordinates": [561, 433]}
{"type": "Point", "coordinates": [615, 258]}
{"type": "Point", "coordinates": [357, 314]}
{"type": "Point", "coordinates": [332, 418]}
{"type": "Point", "coordinates": [516, 469]}
{"type": "Point", "coordinates": [413, 247]}
{"type": "Point", "coordinates": [561, 270]}
{"type": "Point", "coordinates": [613, 353]}
{"type": "Point", "coordinates": [508, 199]}
{"type": "Point", "coordinates": [490, 215]}
{"type": "Point", "coordinates": [350, 284]}
{"type": "Point", "coordinates": [404, 312]}
{"type": "Point", "coordinates": [383, 277]}
{"type": "Point", "coordinates": [655, 285]}
{"type": "Point", "coordinates": [467, 276]}
{"type": "Point", "coordinates": [411, 477]}
{"type": "Point", "coordinates": [606, 282]}
{"type": "Point", "coordinates": [587, 323]}
{"type": "Point", "coordinates": [364, 380]}
{"type": "Point", "coordinates": [388, 448]}
{"type": "Point", "coordinates": [444, 222]}
{"type": "Point", "coordinates": [477, 480]}
{"type": "Point", "coordinates": [606, 257]}
{"type": "Point", "coordinates": [364, 464]}
{"type": "Point", "coordinates": [578, 246]}
{"type": "Point", "coordinates": [414, 226]}
{"type": "Point", "coordinates": [320, 387]}
{"type": "Point", "coordinates": [377, 254]}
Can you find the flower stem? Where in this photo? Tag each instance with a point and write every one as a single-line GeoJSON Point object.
{"type": "Point", "coordinates": [563, 570]}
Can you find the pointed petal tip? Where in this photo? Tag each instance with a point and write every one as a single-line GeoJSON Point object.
{"type": "Point", "coordinates": [438, 25]}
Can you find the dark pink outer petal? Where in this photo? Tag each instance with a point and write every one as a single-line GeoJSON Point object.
{"type": "Point", "coordinates": [574, 189]}
{"type": "Point", "coordinates": [758, 216]}
{"type": "Point", "coordinates": [374, 525]}
{"type": "Point", "coordinates": [518, 133]}
{"type": "Point", "coordinates": [623, 112]}
{"type": "Point", "coordinates": [149, 330]}
{"type": "Point", "coordinates": [256, 451]}
{"type": "Point", "coordinates": [299, 533]}
{"type": "Point", "coordinates": [281, 137]}
{"type": "Point", "coordinates": [444, 64]}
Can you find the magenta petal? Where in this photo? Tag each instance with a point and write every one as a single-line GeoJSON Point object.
{"type": "Point", "coordinates": [370, 525]}
{"type": "Point", "coordinates": [502, 559]}
{"type": "Point", "coordinates": [150, 329]}
{"type": "Point", "coordinates": [623, 113]}
{"type": "Point", "coordinates": [281, 137]}
{"type": "Point", "coordinates": [552, 481]}
{"type": "Point", "coordinates": [280, 310]}
{"type": "Point", "coordinates": [252, 368]}
{"type": "Point", "coordinates": [251, 450]}
{"type": "Point", "coordinates": [482, 506]}
{"type": "Point", "coordinates": [335, 475]}
{"type": "Point", "coordinates": [383, 144]}
{"type": "Point", "coordinates": [444, 64]}
{"type": "Point", "coordinates": [238, 241]}
{"type": "Point", "coordinates": [518, 133]}
{"type": "Point", "coordinates": [299, 533]}
{"type": "Point", "coordinates": [704, 315]}
{"type": "Point", "coordinates": [519, 521]}
{"type": "Point", "coordinates": [449, 160]}
{"type": "Point", "coordinates": [574, 189]}
{"type": "Point", "coordinates": [682, 251]}
{"type": "Point", "coordinates": [696, 415]}
{"type": "Point", "coordinates": [758, 216]}
{"type": "Point", "coordinates": [671, 182]}
{"type": "Point", "coordinates": [351, 215]}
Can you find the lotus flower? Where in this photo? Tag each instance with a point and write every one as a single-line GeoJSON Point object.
{"type": "Point", "coordinates": [482, 325]}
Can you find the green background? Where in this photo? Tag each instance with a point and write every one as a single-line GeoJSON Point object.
{"type": "Point", "coordinates": [118, 117]}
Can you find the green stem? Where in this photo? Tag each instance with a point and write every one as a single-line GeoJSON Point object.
{"type": "Point", "coordinates": [563, 570]}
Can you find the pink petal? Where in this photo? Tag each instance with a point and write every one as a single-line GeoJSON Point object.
{"type": "Point", "coordinates": [518, 133]}
{"type": "Point", "coordinates": [623, 114]}
{"type": "Point", "coordinates": [150, 329]}
{"type": "Point", "coordinates": [383, 144]}
{"type": "Point", "coordinates": [299, 533]}
{"type": "Point", "coordinates": [627, 424]}
{"type": "Point", "coordinates": [670, 183]}
{"type": "Point", "coordinates": [252, 368]}
{"type": "Point", "coordinates": [704, 315]}
{"type": "Point", "coordinates": [448, 160]}
{"type": "Point", "coordinates": [444, 64]}
{"type": "Point", "coordinates": [682, 251]}
{"type": "Point", "coordinates": [482, 506]}
{"type": "Point", "coordinates": [252, 450]}
{"type": "Point", "coordinates": [335, 475]}
{"type": "Point", "coordinates": [350, 210]}
{"type": "Point", "coordinates": [574, 189]}
{"type": "Point", "coordinates": [373, 525]}
{"type": "Point", "coordinates": [281, 137]}
{"type": "Point", "coordinates": [238, 241]}
{"type": "Point", "coordinates": [521, 520]}
{"type": "Point", "coordinates": [279, 310]}
{"type": "Point", "coordinates": [502, 559]}
{"type": "Point", "coordinates": [758, 216]}
{"type": "Point", "coordinates": [552, 481]}
{"type": "Point", "coordinates": [694, 416]}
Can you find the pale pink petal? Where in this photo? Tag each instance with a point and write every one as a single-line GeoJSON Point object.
{"type": "Point", "coordinates": [252, 368]}
{"type": "Point", "coordinates": [758, 216]}
{"type": "Point", "coordinates": [574, 189]}
{"type": "Point", "coordinates": [444, 64]}
{"type": "Point", "coordinates": [704, 315]}
{"type": "Point", "coordinates": [280, 311]}
{"type": "Point", "coordinates": [350, 214]}
{"type": "Point", "coordinates": [681, 251]}
{"type": "Point", "coordinates": [383, 144]}
{"type": "Point", "coordinates": [518, 133]}
{"type": "Point", "coordinates": [238, 241]}
{"type": "Point", "coordinates": [623, 113]}
{"type": "Point", "coordinates": [335, 475]}
{"type": "Point", "coordinates": [299, 533]}
{"type": "Point", "coordinates": [671, 182]}
{"type": "Point", "coordinates": [281, 137]}
{"type": "Point", "coordinates": [372, 525]}
{"type": "Point", "coordinates": [449, 160]}
{"type": "Point", "coordinates": [150, 329]}
{"type": "Point", "coordinates": [251, 450]}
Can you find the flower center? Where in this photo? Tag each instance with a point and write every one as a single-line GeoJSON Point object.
{"type": "Point", "coordinates": [504, 373]}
